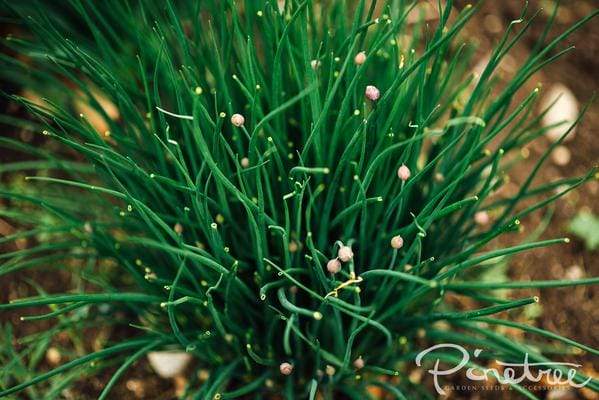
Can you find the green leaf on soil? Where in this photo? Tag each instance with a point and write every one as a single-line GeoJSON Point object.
{"type": "Point", "coordinates": [586, 226]}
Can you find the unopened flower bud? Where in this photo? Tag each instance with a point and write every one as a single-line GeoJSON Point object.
{"type": "Point", "coordinates": [178, 228]}
{"type": "Point", "coordinates": [397, 242]}
{"type": "Point", "coordinates": [237, 120]}
{"type": "Point", "coordinates": [372, 93]}
{"type": "Point", "coordinates": [330, 370]}
{"type": "Point", "coordinates": [359, 363]}
{"type": "Point", "coordinates": [481, 218]}
{"type": "Point", "coordinates": [404, 173]}
{"type": "Point", "coordinates": [360, 58]}
{"type": "Point", "coordinates": [345, 253]}
{"type": "Point", "coordinates": [286, 368]}
{"type": "Point", "coordinates": [334, 266]}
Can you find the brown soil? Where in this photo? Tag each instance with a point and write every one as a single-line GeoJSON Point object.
{"type": "Point", "coordinates": [571, 312]}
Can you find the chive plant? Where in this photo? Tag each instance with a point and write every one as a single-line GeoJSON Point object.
{"type": "Point", "coordinates": [286, 190]}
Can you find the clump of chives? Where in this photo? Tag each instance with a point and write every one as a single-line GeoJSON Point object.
{"type": "Point", "coordinates": [209, 255]}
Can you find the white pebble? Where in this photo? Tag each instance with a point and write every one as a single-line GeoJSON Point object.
{"type": "Point", "coordinates": [565, 109]}
{"type": "Point", "coordinates": [574, 272]}
{"type": "Point", "coordinates": [168, 364]}
{"type": "Point", "coordinates": [561, 155]}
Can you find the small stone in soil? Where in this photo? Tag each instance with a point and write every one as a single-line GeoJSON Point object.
{"type": "Point", "coordinates": [574, 272]}
{"type": "Point", "coordinates": [136, 386]}
{"type": "Point", "coordinates": [53, 356]}
{"type": "Point", "coordinates": [561, 155]}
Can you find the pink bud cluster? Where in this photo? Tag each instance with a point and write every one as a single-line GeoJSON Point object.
{"type": "Point", "coordinates": [344, 254]}
{"type": "Point", "coordinates": [372, 93]}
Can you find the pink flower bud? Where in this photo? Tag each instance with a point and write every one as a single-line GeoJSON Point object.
{"type": "Point", "coordinates": [245, 162]}
{"type": "Point", "coordinates": [293, 246]}
{"type": "Point", "coordinates": [178, 228]}
{"type": "Point", "coordinates": [315, 64]}
{"type": "Point", "coordinates": [403, 173]}
{"type": "Point", "coordinates": [281, 6]}
{"type": "Point", "coordinates": [481, 218]}
{"type": "Point", "coordinates": [372, 93]}
{"type": "Point", "coordinates": [397, 242]}
{"type": "Point", "coordinates": [286, 368]}
{"type": "Point", "coordinates": [359, 363]}
{"type": "Point", "coordinates": [345, 253]}
{"type": "Point", "coordinates": [330, 370]}
{"type": "Point", "coordinates": [360, 58]}
{"type": "Point", "coordinates": [334, 266]}
{"type": "Point", "coordinates": [237, 120]}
